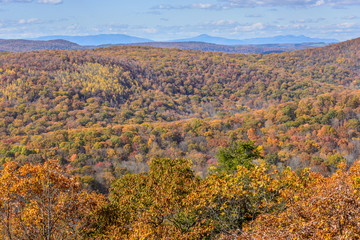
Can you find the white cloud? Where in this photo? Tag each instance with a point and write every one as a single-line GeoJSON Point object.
{"type": "Point", "coordinates": [253, 27]}
{"type": "Point", "coordinates": [191, 6]}
{"type": "Point", "coordinates": [17, 1]}
{"type": "Point", "coordinates": [202, 5]}
{"type": "Point", "coordinates": [50, 1]}
{"type": "Point", "coordinates": [309, 20]}
{"type": "Point", "coordinates": [228, 4]}
{"type": "Point", "coordinates": [319, 3]}
{"type": "Point", "coordinates": [28, 28]}
{"type": "Point", "coordinates": [346, 25]}
{"type": "Point", "coordinates": [29, 21]}
{"type": "Point", "coordinates": [222, 23]}
{"type": "Point", "coordinates": [350, 17]}
{"type": "Point", "coordinates": [150, 30]}
{"type": "Point", "coordinates": [253, 16]}
{"type": "Point", "coordinates": [29, 1]}
{"type": "Point", "coordinates": [291, 3]}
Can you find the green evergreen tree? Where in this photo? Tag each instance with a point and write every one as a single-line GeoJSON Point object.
{"type": "Point", "coordinates": [239, 153]}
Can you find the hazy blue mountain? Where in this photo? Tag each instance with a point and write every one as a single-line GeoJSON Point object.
{"type": "Point", "coordinates": [93, 40]}
{"type": "Point", "coordinates": [202, 42]}
{"type": "Point", "coordinates": [266, 40]}
{"type": "Point", "coordinates": [104, 39]}
{"type": "Point", "coordinates": [19, 45]}
{"type": "Point", "coordinates": [210, 39]}
{"type": "Point", "coordinates": [287, 39]}
{"type": "Point", "coordinates": [246, 49]}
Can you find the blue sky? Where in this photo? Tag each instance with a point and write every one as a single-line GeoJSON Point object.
{"type": "Point", "coordinates": [171, 19]}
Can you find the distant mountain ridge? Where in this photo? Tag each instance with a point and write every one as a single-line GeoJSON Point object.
{"type": "Point", "coordinates": [103, 39]}
{"type": "Point", "coordinates": [210, 39]}
{"type": "Point", "coordinates": [202, 43]}
{"type": "Point", "coordinates": [265, 40]}
{"type": "Point", "coordinates": [289, 39]}
{"type": "Point", "coordinates": [245, 49]}
{"type": "Point", "coordinates": [95, 40]}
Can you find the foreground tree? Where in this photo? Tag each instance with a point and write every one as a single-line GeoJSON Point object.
{"type": "Point", "coordinates": [41, 202]}
{"type": "Point", "coordinates": [229, 201]}
{"type": "Point", "coordinates": [325, 208]}
{"type": "Point", "coordinates": [170, 202]}
{"type": "Point", "coordinates": [155, 205]}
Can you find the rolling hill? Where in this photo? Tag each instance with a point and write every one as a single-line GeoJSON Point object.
{"type": "Point", "coordinates": [134, 131]}
{"type": "Point", "coordinates": [107, 111]}
{"type": "Point", "coordinates": [18, 45]}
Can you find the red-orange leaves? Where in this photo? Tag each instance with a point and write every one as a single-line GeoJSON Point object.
{"type": "Point", "coordinates": [326, 208]}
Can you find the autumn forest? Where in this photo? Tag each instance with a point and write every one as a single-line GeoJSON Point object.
{"type": "Point", "coordinates": [147, 143]}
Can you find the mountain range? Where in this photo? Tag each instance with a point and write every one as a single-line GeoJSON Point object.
{"type": "Point", "coordinates": [32, 45]}
{"type": "Point", "coordinates": [264, 40]}
{"type": "Point", "coordinates": [202, 43]}
{"type": "Point", "coordinates": [94, 40]}
{"type": "Point", "coordinates": [245, 49]}
{"type": "Point", "coordinates": [102, 39]}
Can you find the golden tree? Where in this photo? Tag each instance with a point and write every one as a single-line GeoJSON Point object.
{"type": "Point", "coordinates": [154, 205]}
{"type": "Point", "coordinates": [324, 208]}
{"type": "Point", "coordinates": [41, 202]}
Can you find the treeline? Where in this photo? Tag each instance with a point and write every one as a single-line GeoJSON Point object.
{"type": "Point", "coordinates": [237, 200]}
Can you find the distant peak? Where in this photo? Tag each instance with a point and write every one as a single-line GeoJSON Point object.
{"type": "Point", "coordinates": [204, 35]}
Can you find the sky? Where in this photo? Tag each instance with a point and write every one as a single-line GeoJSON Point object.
{"type": "Point", "coordinates": [173, 19]}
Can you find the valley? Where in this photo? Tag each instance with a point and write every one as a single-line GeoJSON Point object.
{"type": "Point", "coordinates": [124, 142]}
{"type": "Point", "coordinates": [107, 111]}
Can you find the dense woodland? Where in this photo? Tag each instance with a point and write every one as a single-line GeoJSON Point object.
{"type": "Point", "coordinates": [246, 49]}
{"type": "Point", "coordinates": [151, 128]}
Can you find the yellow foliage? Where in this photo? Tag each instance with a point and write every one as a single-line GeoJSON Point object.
{"type": "Point", "coordinates": [41, 202]}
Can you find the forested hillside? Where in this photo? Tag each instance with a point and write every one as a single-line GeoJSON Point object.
{"type": "Point", "coordinates": [149, 143]}
{"type": "Point", "coordinates": [244, 48]}
{"type": "Point", "coordinates": [107, 111]}
{"type": "Point", "coordinates": [19, 45]}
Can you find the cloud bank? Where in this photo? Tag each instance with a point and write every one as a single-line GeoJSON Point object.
{"type": "Point", "coordinates": [50, 1]}
{"type": "Point", "coordinates": [29, 1]}
{"type": "Point", "coordinates": [229, 4]}
{"type": "Point", "coordinates": [290, 3]}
